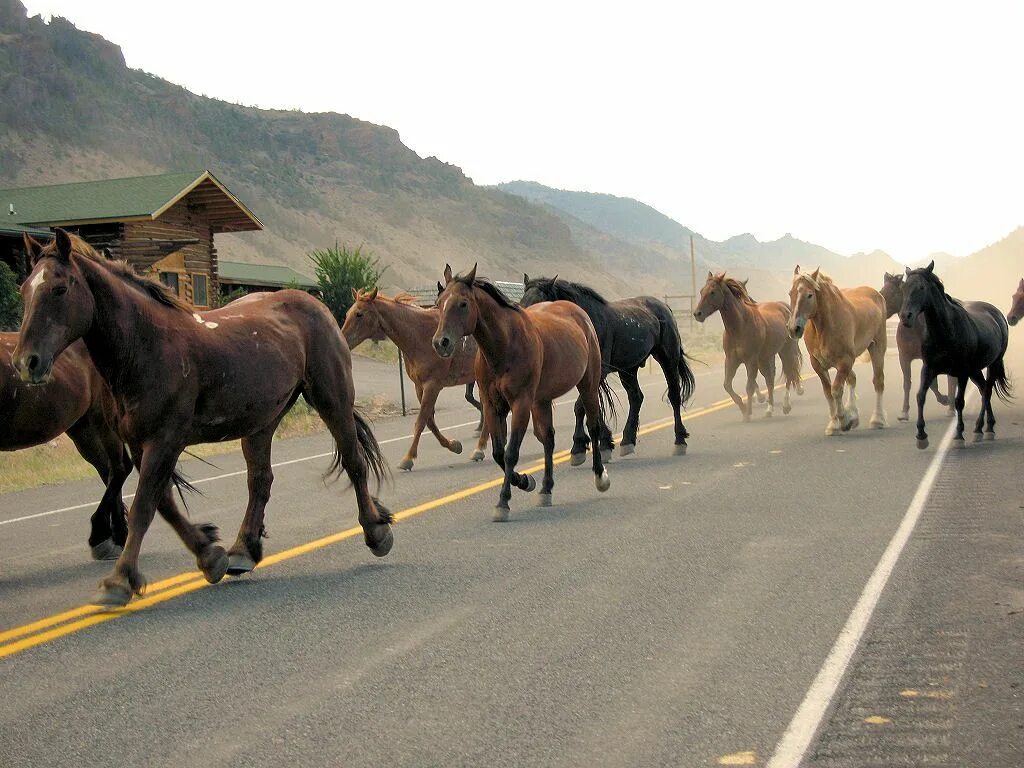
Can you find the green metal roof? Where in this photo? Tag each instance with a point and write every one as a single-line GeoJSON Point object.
{"type": "Point", "coordinates": [137, 197]}
{"type": "Point", "coordinates": [270, 275]}
{"type": "Point", "coordinates": [19, 229]}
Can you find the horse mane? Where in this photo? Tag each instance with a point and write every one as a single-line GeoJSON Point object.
{"type": "Point", "coordinates": [738, 289]}
{"type": "Point", "coordinates": [567, 290]}
{"type": "Point", "coordinates": [405, 298]}
{"type": "Point", "coordinates": [936, 282]}
{"type": "Point", "coordinates": [123, 270]}
{"type": "Point", "coordinates": [485, 285]}
{"type": "Point", "coordinates": [821, 283]}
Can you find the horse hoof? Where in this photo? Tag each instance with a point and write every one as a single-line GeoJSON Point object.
{"type": "Point", "coordinates": [922, 444]}
{"type": "Point", "coordinates": [903, 417]}
{"type": "Point", "coordinates": [500, 514]}
{"type": "Point", "coordinates": [110, 597]}
{"type": "Point", "coordinates": [851, 424]}
{"type": "Point", "coordinates": [577, 458]}
{"type": "Point", "coordinates": [679, 450]}
{"type": "Point", "coordinates": [959, 442]}
{"type": "Point", "coordinates": [477, 455]}
{"type": "Point", "coordinates": [213, 562]}
{"type": "Point", "coordinates": [769, 414]}
{"type": "Point", "coordinates": [978, 437]}
{"type": "Point", "coordinates": [531, 484]}
{"type": "Point", "coordinates": [606, 455]}
{"type": "Point", "coordinates": [990, 435]}
{"type": "Point", "coordinates": [543, 499]}
{"type": "Point", "coordinates": [625, 449]}
{"type": "Point", "coordinates": [455, 447]}
{"type": "Point", "coordinates": [800, 389]}
{"type": "Point", "coordinates": [406, 465]}
{"type": "Point", "coordinates": [106, 550]}
{"type": "Point", "coordinates": [787, 408]}
{"type": "Point", "coordinates": [603, 482]}
{"type": "Point", "coordinates": [240, 563]}
{"type": "Point", "coordinates": [384, 545]}
{"type": "Point", "coordinates": [878, 424]}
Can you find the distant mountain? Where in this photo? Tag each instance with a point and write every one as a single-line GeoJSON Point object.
{"type": "Point", "coordinates": [990, 274]}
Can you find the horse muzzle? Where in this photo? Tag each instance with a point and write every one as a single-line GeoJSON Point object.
{"type": "Point", "coordinates": [907, 318]}
{"type": "Point", "coordinates": [31, 369]}
{"type": "Point", "coordinates": [698, 315]}
{"type": "Point", "coordinates": [1013, 319]}
{"type": "Point", "coordinates": [796, 332]}
{"type": "Point", "coordinates": [444, 346]}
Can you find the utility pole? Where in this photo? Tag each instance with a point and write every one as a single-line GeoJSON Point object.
{"type": "Point", "coordinates": [693, 282]}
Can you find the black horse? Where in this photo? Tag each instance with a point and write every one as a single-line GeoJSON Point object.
{"type": "Point", "coordinates": [630, 331]}
{"type": "Point", "coordinates": [959, 340]}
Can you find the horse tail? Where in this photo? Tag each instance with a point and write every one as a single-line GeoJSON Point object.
{"type": "Point", "coordinates": [606, 398]}
{"type": "Point", "coordinates": [370, 448]}
{"type": "Point", "coordinates": [1001, 384]}
{"type": "Point", "coordinates": [181, 485]}
{"type": "Point", "coordinates": [687, 382]}
{"type": "Point", "coordinates": [792, 363]}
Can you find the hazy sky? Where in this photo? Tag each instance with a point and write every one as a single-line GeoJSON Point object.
{"type": "Point", "coordinates": [865, 125]}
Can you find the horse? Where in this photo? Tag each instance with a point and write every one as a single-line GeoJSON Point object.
{"type": "Point", "coordinates": [960, 340]}
{"type": "Point", "coordinates": [755, 333]}
{"type": "Point", "coordinates": [75, 400]}
{"type": "Point", "coordinates": [1017, 306]}
{"type": "Point", "coordinates": [526, 358]}
{"type": "Point", "coordinates": [629, 331]}
{"type": "Point", "coordinates": [375, 316]}
{"type": "Point", "coordinates": [180, 377]}
{"type": "Point", "coordinates": [837, 325]}
{"type": "Point", "coordinates": [908, 342]}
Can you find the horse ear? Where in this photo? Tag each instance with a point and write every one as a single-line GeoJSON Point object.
{"type": "Point", "coordinates": [931, 267]}
{"type": "Point", "coordinates": [372, 294]}
{"type": "Point", "coordinates": [554, 279]}
{"type": "Point", "coordinates": [796, 270]}
{"type": "Point", "coordinates": [440, 288]}
{"type": "Point", "coordinates": [908, 271]}
{"type": "Point", "coordinates": [711, 275]}
{"type": "Point", "coordinates": [33, 248]}
{"type": "Point", "coordinates": [814, 274]}
{"type": "Point", "coordinates": [526, 278]}
{"type": "Point", "coordinates": [471, 277]}
{"type": "Point", "coordinates": [63, 245]}
{"type": "Point", "coordinates": [355, 295]}
{"type": "Point", "coordinates": [447, 273]}
{"type": "Point", "coordinates": [745, 282]}
{"type": "Point", "coordinates": [888, 276]}
{"type": "Point", "coordinates": [1021, 286]}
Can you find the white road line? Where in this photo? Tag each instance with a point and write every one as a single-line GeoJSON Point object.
{"type": "Point", "coordinates": [797, 739]}
{"type": "Point", "coordinates": [314, 457]}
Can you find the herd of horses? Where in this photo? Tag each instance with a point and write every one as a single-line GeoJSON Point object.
{"type": "Point", "coordinates": [135, 376]}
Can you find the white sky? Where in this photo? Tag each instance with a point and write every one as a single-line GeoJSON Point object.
{"type": "Point", "coordinates": [891, 125]}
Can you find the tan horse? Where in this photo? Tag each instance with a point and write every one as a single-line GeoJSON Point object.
{"type": "Point", "coordinates": [375, 316]}
{"type": "Point", "coordinates": [754, 335]}
{"type": "Point", "coordinates": [837, 326]}
{"type": "Point", "coordinates": [1017, 308]}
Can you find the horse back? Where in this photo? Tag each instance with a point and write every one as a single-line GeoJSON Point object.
{"type": "Point", "coordinates": [569, 345]}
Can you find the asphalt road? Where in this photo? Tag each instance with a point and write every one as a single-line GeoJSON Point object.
{"type": "Point", "coordinates": [679, 619]}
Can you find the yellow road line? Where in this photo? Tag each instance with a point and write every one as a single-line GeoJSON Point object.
{"type": "Point", "coordinates": [76, 619]}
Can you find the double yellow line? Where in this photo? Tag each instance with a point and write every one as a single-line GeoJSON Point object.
{"type": "Point", "coordinates": [61, 624]}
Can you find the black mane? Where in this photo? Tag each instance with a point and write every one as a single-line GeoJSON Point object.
{"type": "Point", "coordinates": [936, 282]}
{"type": "Point", "coordinates": [566, 290]}
{"type": "Point", "coordinates": [485, 285]}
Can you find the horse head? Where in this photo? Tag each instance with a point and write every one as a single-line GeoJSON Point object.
{"type": "Point", "coordinates": [538, 289]}
{"type": "Point", "coordinates": [59, 306]}
{"type": "Point", "coordinates": [459, 311]}
{"type": "Point", "coordinates": [803, 300]}
{"type": "Point", "coordinates": [917, 292]}
{"type": "Point", "coordinates": [1017, 308]}
{"type": "Point", "coordinates": [712, 296]}
{"type": "Point", "coordinates": [892, 292]}
{"type": "Point", "coordinates": [363, 321]}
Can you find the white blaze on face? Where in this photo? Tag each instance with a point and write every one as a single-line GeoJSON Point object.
{"type": "Point", "coordinates": [35, 282]}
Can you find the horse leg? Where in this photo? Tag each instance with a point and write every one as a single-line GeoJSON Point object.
{"type": "Point", "coordinates": [669, 360]}
{"type": "Point", "coordinates": [905, 362]}
{"type": "Point", "coordinates": [951, 393]}
{"type": "Point", "coordinates": [940, 398]}
{"type": "Point", "coordinates": [958, 404]}
{"type": "Point", "coordinates": [99, 446]}
{"type": "Point", "coordinates": [768, 371]}
{"type": "Point", "coordinates": [592, 402]}
{"type": "Point", "coordinates": [580, 441]}
{"type": "Point", "coordinates": [990, 423]}
{"type": "Point", "coordinates": [751, 366]}
{"type": "Point", "coordinates": [922, 395]}
{"type": "Point", "coordinates": [247, 550]}
{"type": "Point", "coordinates": [636, 399]}
{"type": "Point", "coordinates": [852, 411]}
{"type": "Point", "coordinates": [731, 365]}
{"type": "Point", "coordinates": [878, 418]}
{"type": "Point", "coordinates": [833, 425]}
{"type": "Point", "coordinates": [517, 430]}
{"type": "Point", "coordinates": [425, 412]}
{"type": "Point", "coordinates": [455, 446]}
{"type": "Point", "coordinates": [983, 387]}
{"type": "Point", "coordinates": [544, 430]}
{"type": "Point", "coordinates": [476, 404]}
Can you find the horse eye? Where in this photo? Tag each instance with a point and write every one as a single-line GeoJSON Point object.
{"type": "Point", "coordinates": [810, 295]}
{"type": "Point", "coordinates": [463, 304]}
{"type": "Point", "coordinates": [359, 314]}
{"type": "Point", "coordinates": [60, 290]}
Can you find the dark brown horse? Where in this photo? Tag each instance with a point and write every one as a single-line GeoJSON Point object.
{"type": "Point", "coordinates": [180, 377]}
{"type": "Point", "coordinates": [77, 401]}
{"type": "Point", "coordinates": [526, 359]}
{"type": "Point", "coordinates": [1017, 307]}
{"type": "Point", "coordinates": [908, 343]}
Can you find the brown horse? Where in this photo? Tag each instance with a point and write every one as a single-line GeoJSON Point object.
{"type": "Point", "coordinates": [755, 333]}
{"type": "Point", "coordinates": [527, 357]}
{"type": "Point", "coordinates": [180, 377]}
{"type": "Point", "coordinates": [1017, 307]}
{"type": "Point", "coordinates": [374, 316]}
{"type": "Point", "coordinates": [837, 326]}
{"type": "Point", "coordinates": [909, 344]}
{"type": "Point", "coordinates": [75, 400]}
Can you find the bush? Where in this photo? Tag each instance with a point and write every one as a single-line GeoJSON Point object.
{"type": "Point", "coordinates": [339, 270]}
{"type": "Point", "coordinates": [235, 294]}
{"type": "Point", "coordinates": [10, 300]}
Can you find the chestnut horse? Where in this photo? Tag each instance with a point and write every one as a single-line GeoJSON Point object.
{"type": "Point", "coordinates": [755, 333]}
{"type": "Point", "coordinates": [837, 326]}
{"type": "Point", "coordinates": [74, 400]}
{"type": "Point", "coordinates": [374, 316]}
{"type": "Point", "coordinates": [527, 357]}
{"type": "Point", "coordinates": [908, 342]}
{"type": "Point", "coordinates": [1017, 307]}
{"type": "Point", "coordinates": [180, 377]}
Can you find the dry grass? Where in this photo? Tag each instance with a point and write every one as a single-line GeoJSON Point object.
{"type": "Point", "coordinates": [59, 462]}
{"type": "Point", "coordinates": [381, 351]}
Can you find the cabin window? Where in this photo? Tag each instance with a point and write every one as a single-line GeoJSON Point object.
{"type": "Point", "coordinates": [200, 291]}
{"type": "Point", "coordinates": [170, 279]}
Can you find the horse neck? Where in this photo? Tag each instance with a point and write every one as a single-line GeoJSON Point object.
{"type": "Point", "coordinates": [824, 315]}
{"type": "Point", "coordinates": [408, 326]}
{"type": "Point", "coordinates": [940, 315]}
{"type": "Point", "coordinates": [735, 312]}
{"type": "Point", "coordinates": [494, 327]}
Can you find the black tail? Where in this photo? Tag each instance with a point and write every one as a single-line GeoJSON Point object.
{"type": "Point", "coordinates": [687, 384]}
{"type": "Point", "coordinates": [181, 485]}
{"type": "Point", "coordinates": [607, 398]}
{"type": "Point", "coordinates": [1001, 384]}
{"type": "Point", "coordinates": [372, 453]}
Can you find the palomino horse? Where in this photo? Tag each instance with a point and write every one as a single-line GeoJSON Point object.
{"type": "Point", "coordinates": [1017, 307]}
{"type": "Point", "coordinates": [180, 377]}
{"type": "Point", "coordinates": [837, 326]}
{"type": "Point", "coordinates": [629, 331]}
{"type": "Point", "coordinates": [526, 359]}
{"type": "Point", "coordinates": [908, 342]}
{"type": "Point", "coordinates": [755, 333]}
{"type": "Point", "coordinates": [74, 400]}
{"type": "Point", "coordinates": [959, 340]}
{"type": "Point", "coordinates": [374, 316]}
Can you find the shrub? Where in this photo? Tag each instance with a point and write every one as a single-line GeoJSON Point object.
{"type": "Point", "coordinates": [339, 270]}
{"type": "Point", "coordinates": [10, 300]}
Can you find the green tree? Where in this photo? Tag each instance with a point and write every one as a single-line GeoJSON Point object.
{"type": "Point", "coordinates": [10, 300]}
{"type": "Point", "coordinates": [339, 270]}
